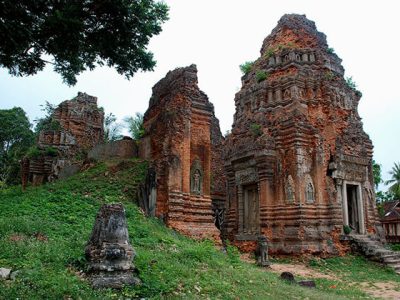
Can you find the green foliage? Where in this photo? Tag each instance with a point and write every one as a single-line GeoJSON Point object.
{"type": "Point", "coordinates": [329, 75]}
{"type": "Point", "coordinates": [112, 129]}
{"type": "Point", "coordinates": [78, 35]}
{"type": "Point", "coordinates": [47, 122]}
{"type": "Point", "coordinates": [377, 173]}
{"type": "Point", "coordinates": [394, 247]}
{"type": "Point", "coordinates": [170, 266]}
{"type": "Point", "coordinates": [394, 182]}
{"type": "Point", "coordinates": [261, 75]}
{"type": "Point", "coordinates": [50, 151]}
{"type": "Point", "coordinates": [35, 152]}
{"type": "Point", "coordinates": [15, 139]}
{"type": "Point", "coordinates": [246, 67]}
{"type": "Point", "coordinates": [351, 83]}
{"type": "Point", "coordinates": [382, 196]}
{"type": "Point", "coordinates": [269, 53]}
{"type": "Point", "coordinates": [135, 125]}
{"type": "Point", "coordinates": [347, 229]}
{"type": "Point", "coordinates": [256, 129]}
{"type": "Point", "coordinates": [330, 50]}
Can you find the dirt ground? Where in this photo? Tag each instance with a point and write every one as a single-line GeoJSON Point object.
{"type": "Point", "coordinates": [382, 290]}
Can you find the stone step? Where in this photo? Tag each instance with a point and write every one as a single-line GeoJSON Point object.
{"type": "Point", "coordinates": [392, 261]}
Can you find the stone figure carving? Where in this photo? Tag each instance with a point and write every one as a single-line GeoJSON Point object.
{"type": "Point", "coordinates": [290, 189]}
{"type": "Point", "coordinates": [196, 181]}
{"type": "Point", "coordinates": [262, 251]}
{"type": "Point", "coordinates": [196, 178]}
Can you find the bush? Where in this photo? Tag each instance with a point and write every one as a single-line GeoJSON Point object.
{"type": "Point", "coordinates": [33, 152]}
{"type": "Point", "coordinates": [347, 229]}
{"type": "Point", "coordinates": [256, 129]}
{"type": "Point", "coordinates": [330, 50]}
{"type": "Point", "coordinates": [261, 75]}
{"type": "Point", "coordinates": [50, 151]}
{"type": "Point", "coordinates": [351, 83]}
{"type": "Point", "coordinates": [246, 67]}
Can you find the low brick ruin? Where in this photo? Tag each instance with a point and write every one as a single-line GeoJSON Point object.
{"type": "Point", "coordinates": [298, 162]}
{"type": "Point", "coordinates": [81, 128]}
{"type": "Point", "coordinates": [182, 140]}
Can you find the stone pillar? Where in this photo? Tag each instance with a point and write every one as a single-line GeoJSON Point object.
{"type": "Point", "coordinates": [360, 205]}
{"type": "Point", "coordinates": [344, 205]}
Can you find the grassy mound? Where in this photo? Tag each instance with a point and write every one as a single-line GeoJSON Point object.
{"type": "Point", "coordinates": [43, 232]}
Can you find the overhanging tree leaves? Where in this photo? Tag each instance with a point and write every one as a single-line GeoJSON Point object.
{"type": "Point", "coordinates": [77, 35]}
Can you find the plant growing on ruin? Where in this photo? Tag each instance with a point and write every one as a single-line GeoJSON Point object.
{"type": "Point", "coordinates": [330, 50]}
{"type": "Point", "coordinates": [269, 53]}
{"type": "Point", "coordinates": [329, 75]}
{"type": "Point", "coordinates": [75, 36]}
{"type": "Point", "coordinates": [261, 75]}
{"type": "Point", "coordinates": [351, 83]}
{"type": "Point", "coordinates": [246, 67]}
{"type": "Point", "coordinates": [47, 122]}
{"type": "Point", "coordinates": [347, 229]}
{"type": "Point", "coordinates": [256, 129]}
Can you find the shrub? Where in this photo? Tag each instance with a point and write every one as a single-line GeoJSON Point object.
{"type": "Point", "coordinates": [246, 67]}
{"type": "Point", "coordinates": [269, 53]}
{"type": "Point", "coordinates": [50, 151]}
{"type": "Point", "coordinates": [256, 129]}
{"type": "Point", "coordinates": [347, 229]}
{"type": "Point", "coordinates": [33, 152]}
{"type": "Point", "coordinates": [261, 75]}
{"type": "Point", "coordinates": [330, 50]}
{"type": "Point", "coordinates": [351, 83]}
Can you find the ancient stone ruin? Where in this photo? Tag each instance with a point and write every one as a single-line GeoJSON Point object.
{"type": "Point", "coordinates": [298, 162]}
{"type": "Point", "coordinates": [109, 252]}
{"type": "Point", "coordinates": [183, 143]}
{"type": "Point", "coordinates": [80, 129]}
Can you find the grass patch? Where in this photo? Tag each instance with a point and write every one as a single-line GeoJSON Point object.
{"type": "Point", "coordinates": [43, 232]}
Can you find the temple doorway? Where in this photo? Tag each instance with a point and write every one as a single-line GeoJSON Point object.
{"type": "Point", "coordinates": [251, 220]}
{"type": "Point", "coordinates": [353, 208]}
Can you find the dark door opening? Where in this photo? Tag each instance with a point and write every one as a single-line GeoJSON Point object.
{"type": "Point", "coordinates": [251, 220]}
{"type": "Point", "coordinates": [352, 207]}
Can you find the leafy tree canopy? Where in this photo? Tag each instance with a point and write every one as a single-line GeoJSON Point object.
{"type": "Point", "coordinates": [394, 182]}
{"type": "Point", "coordinates": [135, 125]}
{"type": "Point", "coordinates": [112, 129]}
{"type": "Point", "coordinates": [15, 138]}
{"type": "Point", "coordinates": [377, 172]}
{"type": "Point", "coordinates": [47, 122]}
{"type": "Point", "coordinates": [77, 35]}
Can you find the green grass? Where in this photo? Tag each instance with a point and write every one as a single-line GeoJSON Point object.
{"type": "Point", "coordinates": [43, 232]}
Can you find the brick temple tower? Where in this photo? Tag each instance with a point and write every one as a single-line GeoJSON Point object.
{"type": "Point", "coordinates": [182, 141]}
{"type": "Point", "coordinates": [298, 162]}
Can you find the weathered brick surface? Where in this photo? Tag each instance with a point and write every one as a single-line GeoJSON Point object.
{"type": "Point", "coordinates": [180, 133]}
{"type": "Point", "coordinates": [81, 124]}
{"type": "Point", "coordinates": [295, 131]}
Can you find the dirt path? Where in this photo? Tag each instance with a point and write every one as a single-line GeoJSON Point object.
{"type": "Point", "coordinates": [382, 290]}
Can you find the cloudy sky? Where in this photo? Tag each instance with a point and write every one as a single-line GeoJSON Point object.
{"type": "Point", "coordinates": [220, 35]}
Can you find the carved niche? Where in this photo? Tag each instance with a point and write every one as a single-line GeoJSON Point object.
{"type": "Point", "coordinates": [290, 189]}
{"type": "Point", "coordinates": [309, 189]}
{"type": "Point", "coordinates": [196, 178]}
